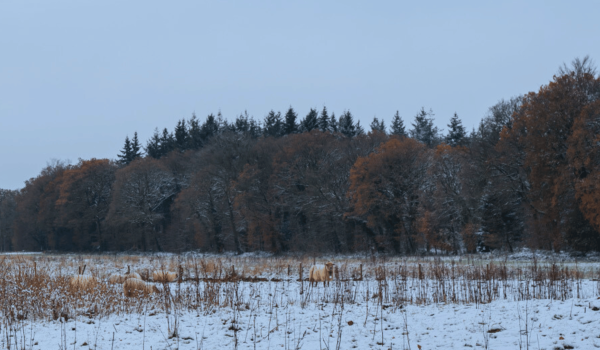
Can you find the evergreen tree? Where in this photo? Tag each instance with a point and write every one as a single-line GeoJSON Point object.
{"type": "Point", "coordinates": [130, 151]}
{"type": "Point", "coordinates": [290, 126]}
{"type": "Point", "coordinates": [254, 129]}
{"type": "Point", "coordinates": [359, 129]}
{"type": "Point", "coordinates": [333, 124]}
{"type": "Point", "coordinates": [377, 125]}
{"type": "Point", "coordinates": [245, 124]}
{"type": "Point", "coordinates": [210, 127]}
{"type": "Point", "coordinates": [153, 145]}
{"type": "Point", "coordinates": [423, 129]}
{"type": "Point", "coordinates": [398, 125]}
{"type": "Point", "coordinates": [456, 134]}
{"type": "Point", "coordinates": [242, 123]}
{"type": "Point", "coordinates": [167, 142]}
{"type": "Point", "coordinates": [311, 121]}
{"type": "Point", "coordinates": [223, 124]}
{"type": "Point", "coordinates": [346, 124]}
{"type": "Point", "coordinates": [195, 133]}
{"type": "Point", "coordinates": [126, 153]}
{"type": "Point", "coordinates": [135, 147]}
{"type": "Point", "coordinates": [273, 126]}
{"type": "Point", "coordinates": [181, 135]}
{"type": "Point", "coordinates": [324, 120]}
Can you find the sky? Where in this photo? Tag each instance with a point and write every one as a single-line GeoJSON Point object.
{"type": "Point", "coordinates": [77, 77]}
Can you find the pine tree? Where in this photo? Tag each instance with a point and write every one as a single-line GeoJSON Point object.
{"type": "Point", "coordinates": [359, 129]}
{"type": "Point", "coordinates": [126, 152]}
{"type": "Point", "coordinates": [254, 128]}
{"type": "Point", "coordinates": [242, 123]}
{"type": "Point", "coordinates": [130, 151]}
{"type": "Point", "coordinates": [333, 124]}
{"type": "Point", "coordinates": [223, 125]}
{"type": "Point", "coordinates": [210, 127]}
{"type": "Point", "coordinates": [377, 125]}
{"type": "Point", "coordinates": [245, 124]}
{"type": "Point", "coordinates": [195, 133]}
{"type": "Point", "coordinates": [398, 125]}
{"type": "Point", "coordinates": [456, 134]}
{"type": "Point", "coordinates": [290, 126]}
{"type": "Point", "coordinates": [135, 147]}
{"type": "Point", "coordinates": [167, 142]}
{"type": "Point", "coordinates": [311, 121]}
{"type": "Point", "coordinates": [273, 126]}
{"type": "Point", "coordinates": [423, 129]}
{"type": "Point", "coordinates": [153, 145]}
{"type": "Point", "coordinates": [346, 124]}
{"type": "Point", "coordinates": [181, 135]}
{"type": "Point", "coordinates": [324, 120]}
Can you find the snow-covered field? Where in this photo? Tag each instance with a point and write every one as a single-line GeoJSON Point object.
{"type": "Point", "coordinates": [259, 302]}
{"type": "Point", "coordinates": [536, 324]}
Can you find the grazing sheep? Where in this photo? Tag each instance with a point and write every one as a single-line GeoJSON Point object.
{"type": "Point", "coordinates": [321, 273]}
{"type": "Point", "coordinates": [164, 276]}
{"type": "Point", "coordinates": [118, 278]}
{"type": "Point", "coordinates": [83, 282]}
{"type": "Point", "coordinates": [134, 286]}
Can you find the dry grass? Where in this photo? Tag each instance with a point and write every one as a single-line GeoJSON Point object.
{"type": "Point", "coordinates": [38, 287]}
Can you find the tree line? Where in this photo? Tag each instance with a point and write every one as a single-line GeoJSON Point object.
{"type": "Point", "coordinates": [528, 175]}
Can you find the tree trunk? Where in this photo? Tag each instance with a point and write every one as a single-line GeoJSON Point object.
{"type": "Point", "coordinates": [236, 238]}
{"type": "Point", "coordinates": [144, 243]}
{"type": "Point", "coordinates": [99, 234]}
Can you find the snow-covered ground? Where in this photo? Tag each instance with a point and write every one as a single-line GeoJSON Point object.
{"type": "Point", "coordinates": [536, 324]}
{"type": "Point", "coordinates": [481, 302]}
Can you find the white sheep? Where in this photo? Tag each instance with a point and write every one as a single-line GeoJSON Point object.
{"type": "Point", "coordinates": [134, 286]}
{"type": "Point", "coordinates": [164, 276]}
{"type": "Point", "coordinates": [321, 273]}
{"type": "Point", "coordinates": [83, 282]}
{"type": "Point", "coordinates": [118, 278]}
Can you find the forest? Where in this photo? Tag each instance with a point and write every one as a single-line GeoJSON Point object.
{"type": "Point", "coordinates": [527, 176]}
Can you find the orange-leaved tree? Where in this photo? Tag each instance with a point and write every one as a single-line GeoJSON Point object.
{"type": "Point", "coordinates": [584, 157]}
{"type": "Point", "coordinates": [541, 129]}
{"type": "Point", "coordinates": [85, 192]}
{"type": "Point", "coordinates": [385, 191]}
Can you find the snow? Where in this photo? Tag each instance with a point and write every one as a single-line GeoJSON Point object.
{"type": "Point", "coordinates": [276, 318]}
{"type": "Point", "coordinates": [401, 312]}
{"type": "Point", "coordinates": [437, 326]}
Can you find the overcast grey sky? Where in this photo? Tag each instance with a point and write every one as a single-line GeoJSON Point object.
{"type": "Point", "coordinates": [76, 77]}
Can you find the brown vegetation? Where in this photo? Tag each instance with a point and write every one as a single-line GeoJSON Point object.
{"type": "Point", "coordinates": [164, 276]}
{"type": "Point", "coordinates": [53, 291]}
